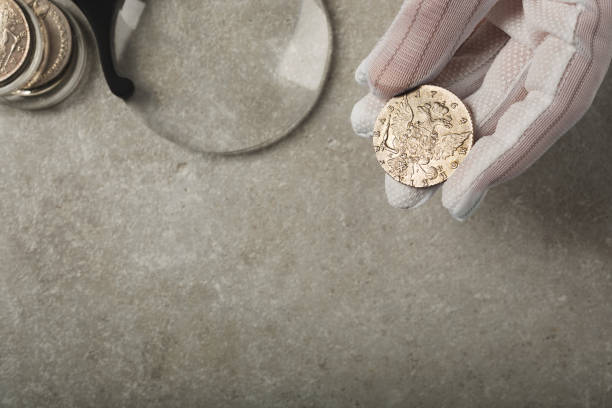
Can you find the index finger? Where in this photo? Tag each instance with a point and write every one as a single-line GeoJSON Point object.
{"type": "Point", "coordinates": [421, 41]}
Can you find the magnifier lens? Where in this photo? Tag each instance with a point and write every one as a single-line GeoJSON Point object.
{"type": "Point", "coordinates": [224, 76]}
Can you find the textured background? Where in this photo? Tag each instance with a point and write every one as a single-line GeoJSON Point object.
{"type": "Point", "coordinates": [135, 273]}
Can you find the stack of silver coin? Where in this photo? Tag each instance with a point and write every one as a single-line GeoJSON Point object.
{"type": "Point", "coordinates": [39, 52]}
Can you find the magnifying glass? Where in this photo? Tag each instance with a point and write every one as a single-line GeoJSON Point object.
{"type": "Point", "coordinates": [216, 76]}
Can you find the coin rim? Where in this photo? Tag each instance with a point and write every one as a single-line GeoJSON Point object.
{"type": "Point", "coordinates": [40, 79]}
{"type": "Point", "coordinates": [44, 34]}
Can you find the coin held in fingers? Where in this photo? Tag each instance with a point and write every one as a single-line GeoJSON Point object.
{"type": "Point", "coordinates": [420, 138]}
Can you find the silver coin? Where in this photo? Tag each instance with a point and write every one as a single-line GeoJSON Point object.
{"type": "Point", "coordinates": [59, 36]}
{"type": "Point", "coordinates": [15, 39]}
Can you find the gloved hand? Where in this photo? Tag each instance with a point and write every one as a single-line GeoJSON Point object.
{"type": "Point", "coordinates": [527, 69]}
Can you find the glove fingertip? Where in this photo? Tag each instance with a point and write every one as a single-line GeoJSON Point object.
{"type": "Point", "coordinates": [466, 206]}
{"type": "Point", "coordinates": [405, 197]}
{"type": "Point", "coordinates": [364, 115]}
{"type": "Point", "coordinates": [361, 74]}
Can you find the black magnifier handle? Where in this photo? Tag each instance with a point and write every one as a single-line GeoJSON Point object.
{"type": "Point", "coordinates": [101, 15]}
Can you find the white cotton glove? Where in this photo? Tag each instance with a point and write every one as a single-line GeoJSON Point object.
{"type": "Point", "coordinates": [527, 69]}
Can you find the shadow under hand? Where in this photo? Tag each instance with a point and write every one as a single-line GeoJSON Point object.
{"type": "Point", "coordinates": [567, 196]}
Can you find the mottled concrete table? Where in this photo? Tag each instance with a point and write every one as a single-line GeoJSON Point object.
{"type": "Point", "coordinates": [135, 273]}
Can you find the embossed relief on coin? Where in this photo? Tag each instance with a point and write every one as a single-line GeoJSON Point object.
{"type": "Point", "coordinates": [421, 138]}
{"type": "Point", "coordinates": [14, 39]}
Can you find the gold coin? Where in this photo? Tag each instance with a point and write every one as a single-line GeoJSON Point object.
{"type": "Point", "coordinates": [421, 138]}
{"type": "Point", "coordinates": [59, 42]}
{"type": "Point", "coordinates": [15, 39]}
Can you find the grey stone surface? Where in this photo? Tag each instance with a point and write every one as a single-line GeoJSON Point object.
{"type": "Point", "coordinates": [135, 273]}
